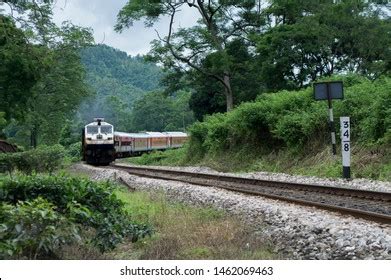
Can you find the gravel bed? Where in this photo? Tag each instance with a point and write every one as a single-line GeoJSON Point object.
{"type": "Point", "coordinates": [297, 232]}
{"type": "Point", "coordinates": [362, 184]}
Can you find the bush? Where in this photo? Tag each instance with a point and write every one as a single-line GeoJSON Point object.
{"type": "Point", "coordinates": [291, 119]}
{"type": "Point", "coordinates": [34, 229]}
{"type": "Point", "coordinates": [88, 204]}
{"type": "Point", "coordinates": [74, 152]}
{"type": "Point", "coordinates": [42, 159]}
{"type": "Point", "coordinates": [167, 157]}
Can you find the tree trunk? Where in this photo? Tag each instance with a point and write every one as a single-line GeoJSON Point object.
{"type": "Point", "coordinates": [228, 92]}
{"type": "Point", "coordinates": [33, 138]}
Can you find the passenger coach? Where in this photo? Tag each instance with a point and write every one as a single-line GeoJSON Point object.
{"type": "Point", "coordinates": [130, 144]}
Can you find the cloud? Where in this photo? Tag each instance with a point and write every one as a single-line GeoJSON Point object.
{"type": "Point", "coordinates": [101, 16]}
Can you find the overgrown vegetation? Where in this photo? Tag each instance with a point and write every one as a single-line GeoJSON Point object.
{"type": "Point", "coordinates": [34, 229]}
{"type": "Point", "coordinates": [168, 157]}
{"type": "Point", "coordinates": [239, 49]}
{"type": "Point", "coordinates": [40, 214]}
{"type": "Point", "coordinates": [42, 159]}
{"type": "Point", "coordinates": [293, 119]}
{"type": "Point", "coordinates": [288, 131]}
{"type": "Point", "coordinates": [188, 232]}
{"type": "Point", "coordinates": [41, 76]}
{"type": "Point", "coordinates": [46, 159]}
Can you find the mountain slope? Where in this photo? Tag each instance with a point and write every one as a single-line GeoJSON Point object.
{"type": "Point", "coordinates": [117, 81]}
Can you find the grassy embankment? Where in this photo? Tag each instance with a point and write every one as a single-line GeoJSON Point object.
{"type": "Point", "coordinates": [59, 216]}
{"type": "Point", "coordinates": [71, 217]}
{"type": "Point", "coordinates": [187, 232]}
{"type": "Point", "coordinates": [288, 132]}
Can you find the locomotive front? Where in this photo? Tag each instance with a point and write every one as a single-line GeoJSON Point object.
{"type": "Point", "coordinates": [98, 143]}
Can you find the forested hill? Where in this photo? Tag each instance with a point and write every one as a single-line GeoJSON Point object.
{"type": "Point", "coordinates": [117, 81]}
{"type": "Point", "coordinates": [102, 61]}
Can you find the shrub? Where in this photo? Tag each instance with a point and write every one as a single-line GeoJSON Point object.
{"type": "Point", "coordinates": [74, 152]}
{"type": "Point", "coordinates": [291, 119]}
{"type": "Point", "coordinates": [167, 157]}
{"type": "Point", "coordinates": [34, 229]}
{"type": "Point", "coordinates": [42, 159]}
{"type": "Point", "coordinates": [86, 203]}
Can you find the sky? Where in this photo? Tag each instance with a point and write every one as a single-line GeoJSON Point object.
{"type": "Point", "coordinates": [101, 16]}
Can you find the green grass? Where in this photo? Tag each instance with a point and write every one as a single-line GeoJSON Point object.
{"type": "Point", "coordinates": [186, 232]}
{"type": "Point", "coordinates": [172, 157]}
{"type": "Point", "coordinates": [366, 162]}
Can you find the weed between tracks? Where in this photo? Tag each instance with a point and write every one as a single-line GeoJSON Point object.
{"type": "Point", "coordinates": [185, 232]}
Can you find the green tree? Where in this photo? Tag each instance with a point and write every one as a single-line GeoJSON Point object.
{"type": "Point", "coordinates": [306, 40]}
{"type": "Point", "coordinates": [118, 80]}
{"type": "Point", "coordinates": [157, 112]}
{"type": "Point", "coordinates": [20, 68]}
{"type": "Point", "coordinates": [208, 95]}
{"type": "Point", "coordinates": [151, 112]}
{"type": "Point", "coordinates": [43, 79]}
{"type": "Point", "coordinates": [186, 48]}
{"type": "Point", "coordinates": [3, 123]}
{"type": "Point", "coordinates": [58, 94]}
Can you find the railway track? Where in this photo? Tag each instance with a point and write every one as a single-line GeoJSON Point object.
{"type": "Point", "coordinates": [370, 205]}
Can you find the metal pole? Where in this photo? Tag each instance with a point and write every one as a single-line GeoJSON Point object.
{"type": "Point", "coordinates": [331, 121]}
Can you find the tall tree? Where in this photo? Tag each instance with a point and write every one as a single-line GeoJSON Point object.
{"type": "Point", "coordinates": [309, 39]}
{"type": "Point", "coordinates": [157, 112]}
{"type": "Point", "coordinates": [20, 68]}
{"type": "Point", "coordinates": [43, 73]}
{"type": "Point", "coordinates": [208, 95]}
{"type": "Point", "coordinates": [186, 48]}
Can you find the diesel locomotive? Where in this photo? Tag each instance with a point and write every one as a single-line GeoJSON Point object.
{"type": "Point", "coordinates": [102, 145]}
{"type": "Point", "coordinates": [98, 142]}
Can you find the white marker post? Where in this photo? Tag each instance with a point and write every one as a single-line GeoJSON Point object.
{"type": "Point", "coordinates": [345, 143]}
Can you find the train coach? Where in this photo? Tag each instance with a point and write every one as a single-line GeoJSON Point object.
{"type": "Point", "coordinates": [131, 144]}
{"type": "Point", "coordinates": [101, 145]}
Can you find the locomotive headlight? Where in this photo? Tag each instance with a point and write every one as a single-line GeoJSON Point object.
{"type": "Point", "coordinates": [89, 138]}
{"type": "Point", "coordinates": [109, 138]}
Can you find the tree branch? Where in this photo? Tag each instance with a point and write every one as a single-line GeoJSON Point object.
{"type": "Point", "coordinates": [185, 59]}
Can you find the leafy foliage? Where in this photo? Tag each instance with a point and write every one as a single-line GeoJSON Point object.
{"type": "Point", "coordinates": [239, 49]}
{"type": "Point", "coordinates": [291, 119]}
{"type": "Point", "coordinates": [34, 230]}
{"type": "Point", "coordinates": [74, 151]}
{"type": "Point", "coordinates": [42, 159]}
{"type": "Point", "coordinates": [208, 96]}
{"type": "Point", "coordinates": [19, 68]}
{"type": "Point", "coordinates": [168, 157]}
{"type": "Point", "coordinates": [42, 79]}
{"type": "Point", "coordinates": [118, 80]}
{"type": "Point", "coordinates": [90, 205]}
{"type": "Point", "coordinates": [311, 39]}
{"type": "Point", "coordinates": [157, 112]}
{"type": "Point", "coordinates": [186, 48]}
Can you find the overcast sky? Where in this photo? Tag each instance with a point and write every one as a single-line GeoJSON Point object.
{"type": "Point", "coordinates": [101, 16]}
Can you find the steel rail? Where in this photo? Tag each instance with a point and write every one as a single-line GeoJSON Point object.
{"type": "Point", "coordinates": [214, 180]}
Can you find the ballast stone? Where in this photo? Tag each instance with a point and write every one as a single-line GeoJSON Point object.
{"type": "Point", "coordinates": [297, 232]}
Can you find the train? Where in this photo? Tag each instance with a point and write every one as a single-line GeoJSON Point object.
{"type": "Point", "coordinates": [101, 145]}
